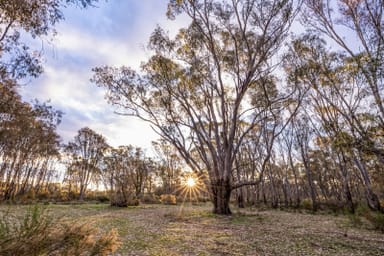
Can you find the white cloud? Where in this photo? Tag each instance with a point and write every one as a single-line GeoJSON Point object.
{"type": "Point", "coordinates": [112, 34]}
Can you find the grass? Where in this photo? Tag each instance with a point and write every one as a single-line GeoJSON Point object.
{"type": "Point", "coordinates": [194, 230]}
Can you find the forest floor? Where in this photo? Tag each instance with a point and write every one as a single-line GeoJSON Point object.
{"type": "Point", "coordinates": [194, 230]}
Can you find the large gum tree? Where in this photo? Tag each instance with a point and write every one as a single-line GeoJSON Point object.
{"type": "Point", "coordinates": [208, 87]}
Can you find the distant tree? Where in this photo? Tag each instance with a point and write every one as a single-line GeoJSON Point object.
{"type": "Point", "coordinates": [126, 171]}
{"type": "Point", "coordinates": [195, 90]}
{"type": "Point", "coordinates": [169, 168]}
{"type": "Point", "coordinates": [364, 22]}
{"type": "Point", "coordinates": [85, 154]}
{"type": "Point", "coordinates": [28, 145]}
{"type": "Point", "coordinates": [28, 138]}
{"type": "Point", "coordinates": [337, 96]}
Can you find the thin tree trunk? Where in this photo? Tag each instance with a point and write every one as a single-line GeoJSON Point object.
{"type": "Point", "coordinates": [346, 188]}
{"type": "Point", "coordinates": [372, 199]}
{"type": "Point", "coordinates": [274, 199]}
{"type": "Point", "coordinates": [239, 191]}
{"type": "Point", "coordinates": [309, 179]}
{"type": "Point", "coordinates": [82, 192]}
{"type": "Point", "coordinates": [297, 196]}
{"type": "Point", "coordinates": [240, 198]}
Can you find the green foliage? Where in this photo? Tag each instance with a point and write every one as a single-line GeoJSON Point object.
{"type": "Point", "coordinates": [168, 199]}
{"type": "Point", "coordinates": [37, 233]}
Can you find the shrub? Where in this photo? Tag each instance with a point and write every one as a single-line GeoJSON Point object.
{"type": "Point", "coordinates": [150, 199]}
{"type": "Point", "coordinates": [102, 198]}
{"type": "Point", "coordinates": [355, 220]}
{"type": "Point", "coordinates": [133, 202]}
{"type": "Point", "coordinates": [43, 195]}
{"type": "Point", "coordinates": [72, 195]}
{"type": "Point", "coordinates": [27, 197]}
{"type": "Point", "coordinates": [375, 218]}
{"type": "Point", "coordinates": [119, 200]}
{"type": "Point", "coordinates": [168, 199]}
{"type": "Point", "coordinates": [332, 206]}
{"type": "Point", "coordinates": [30, 194]}
{"type": "Point", "coordinates": [306, 204]}
{"type": "Point", "coordinates": [203, 199]}
{"type": "Point", "coordinates": [39, 234]}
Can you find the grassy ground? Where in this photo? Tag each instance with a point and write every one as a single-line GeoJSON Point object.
{"type": "Point", "coordinates": [193, 230]}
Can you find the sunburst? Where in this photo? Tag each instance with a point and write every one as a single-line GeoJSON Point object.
{"type": "Point", "coordinates": [191, 188]}
{"type": "Point", "coordinates": [190, 182]}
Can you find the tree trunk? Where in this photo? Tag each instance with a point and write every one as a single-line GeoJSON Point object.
{"type": "Point", "coordinates": [286, 191]}
{"type": "Point", "coordinates": [348, 195]}
{"type": "Point", "coordinates": [372, 199]}
{"type": "Point", "coordinates": [297, 192]}
{"type": "Point", "coordinates": [345, 181]}
{"type": "Point", "coordinates": [82, 192]}
{"type": "Point", "coordinates": [239, 192]}
{"type": "Point", "coordinates": [311, 184]}
{"type": "Point", "coordinates": [275, 201]}
{"type": "Point", "coordinates": [221, 194]}
{"type": "Point", "coordinates": [240, 198]}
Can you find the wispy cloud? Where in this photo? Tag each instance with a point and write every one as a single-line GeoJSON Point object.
{"type": "Point", "coordinates": [114, 34]}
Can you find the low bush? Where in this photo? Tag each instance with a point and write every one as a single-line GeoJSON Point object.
{"type": "Point", "coordinates": [102, 198]}
{"type": "Point", "coordinates": [133, 202]}
{"type": "Point", "coordinates": [150, 199]}
{"type": "Point", "coordinates": [374, 218]}
{"type": "Point", "coordinates": [43, 195]}
{"type": "Point", "coordinates": [203, 199]}
{"type": "Point", "coordinates": [377, 220]}
{"type": "Point", "coordinates": [168, 199]}
{"type": "Point", "coordinates": [306, 204]}
{"type": "Point", "coordinates": [39, 234]}
{"type": "Point", "coordinates": [119, 200]}
{"type": "Point", "coordinates": [72, 195]}
{"type": "Point", "coordinates": [332, 206]}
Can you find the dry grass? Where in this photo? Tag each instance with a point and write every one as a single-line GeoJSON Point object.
{"type": "Point", "coordinates": [34, 232]}
{"type": "Point", "coordinates": [193, 230]}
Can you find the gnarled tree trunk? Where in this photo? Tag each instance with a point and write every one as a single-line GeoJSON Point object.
{"type": "Point", "coordinates": [221, 194]}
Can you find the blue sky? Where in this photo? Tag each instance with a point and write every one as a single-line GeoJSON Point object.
{"type": "Point", "coordinates": [113, 33]}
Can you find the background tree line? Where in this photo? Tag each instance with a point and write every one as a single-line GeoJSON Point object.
{"type": "Point", "coordinates": [29, 143]}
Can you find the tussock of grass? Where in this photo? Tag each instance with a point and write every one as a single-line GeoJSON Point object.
{"type": "Point", "coordinates": [37, 233]}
